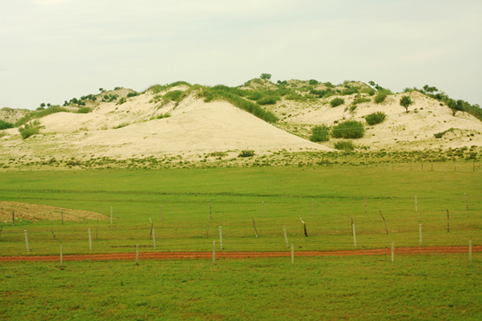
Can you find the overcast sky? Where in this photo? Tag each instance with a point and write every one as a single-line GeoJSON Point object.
{"type": "Point", "coordinates": [54, 50]}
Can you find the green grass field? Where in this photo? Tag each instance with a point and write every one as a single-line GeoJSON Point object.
{"type": "Point", "coordinates": [414, 287]}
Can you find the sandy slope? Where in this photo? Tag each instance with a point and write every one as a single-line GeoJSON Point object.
{"type": "Point", "coordinates": [195, 127]}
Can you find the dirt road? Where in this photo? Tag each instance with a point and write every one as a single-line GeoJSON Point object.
{"type": "Point", "coordinates": [236, 255]}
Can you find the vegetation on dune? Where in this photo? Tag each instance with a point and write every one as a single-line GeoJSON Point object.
{"type": "Point", "coordinates": [320, 134]}
{"type": "Point", "coordinates": [337, 102]}
{"type": "Point", "coordinates": [235, 96]}
{"type": "Point", "coordinates": [405, 102]}
{"type": "Point", "coordinates": [246, 153]}
{"type": "Point", "coordinates": [348, 129]}
{"type": "Point", "coordinates": [5, 125]}
{"type": "Point", "coordinates": [375, 118]}
{"type": "Point", "coordinates": [346, 146]}
{"type": "Point", "coordinates": [39, 114]}
{"type": "Point", "coordinates": [30, 129]}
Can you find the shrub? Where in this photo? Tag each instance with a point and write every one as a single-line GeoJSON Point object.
{"type": "Point", "coordinates": [348, 129]}
{"type": "Point", "coordinates": [29, 129]}
{"type": "Point", "coordinates": [83, 110]}
{"type": "Point", "coordinates": [265, 76]}
{"type": "Point", "coordinates": [255, 95]}
{"type": "Point", "coordinates": [121, 101]}
{"type": "Point", "coordinates": [346, 146]}
{"type": "Point", "coordinates": [268, 100]}
{"type": "Point", "coordinates": [380, 97]}
{"type": "Point", "coordinates": [175, 95]}
{"type": "Point", "coordinates": [313, 81]}
{"type": "Point", "coordinates": [246, 153]}
{"type": "Point", "coordinates": [133, 94]}
{"type": "Point", "coordinates": [405, 101]}
{"type": "Point", "coordinates": [375, 118]}
{"type": "Point", "coordinates": [361, 100]}
{"type": "Point", "coordinates": [320, 134]}
{"type": "Point", "coordinates": [166, 115]}
{"type": "Point", "coordinates": [349, 91]}
{"type": "Point", "coordinates": [337, 102]}
{"type": "Point", "coordinates": [5, 125]}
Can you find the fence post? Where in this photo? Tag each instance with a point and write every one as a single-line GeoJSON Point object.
{"type": "Point", "coordinates": [286, 236]}
{"type": "Point", "coordinates": [393, 251]}
{"type": "Point", "coordinates": [292, 254]}
{"type": "Point", "coordinates": [470, 250]}
{"type": "Point", "coordinates": [111, 215]}
{"type": "Point", "coordinates": [354, 234]}
{"type": "Point", "coordinates": [154, 238]}
{"type": "Point", "coordinates": [214, 252]}
{"type": "Point", "coordinates": [13, 218]}
{"type": "Point", "coordinates": [420, 232]}
{"type": "Point", "coordinates": [26, 240]}
{"type": "Point", "coordinates": [61, 255]}
{"type": "Point", "coordinates": [90, 240]}
{"type": "Point", "coordinates": [221, 237]}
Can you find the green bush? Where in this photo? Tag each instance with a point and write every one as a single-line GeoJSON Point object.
{"type": "Point", "coordinates": [360, 100]}
{"type": "Point", "coordinates": [320, 134]}
{"type": "Point", "coordinates": [380, 97]}
{"type": "Point", "coordinates": [337, 102]}
{"type": "Point", "coordinates": [349, 91]}
{"type": "Point", "coordinates": [346, 146]}
{"type": "Point", "coordinates": [232, 95]}
{"type": "Point", "coordinates": [255, 95]}
{"type": "Point", "coordinates": [268, 100]}
{"type": "Point", "coordinates": [5, 125]}
{"type": "Point", "coordinates": [246, 153]}
{"type": "Point", "coordinates": [375, 118]}
{"type": "Point", "coordinates": [175, 95]}
{"type": "Point", "coordinates": [121, 101]}
{"type": "Point", "coordinates": [39, 114]}
{"type": "Point", "coordinates": [30, 129]}
{"type": "Point", "coordinates": [161, 116]}
{"type": "Point", "coordinates": [133, 94]}
{"type": "Point", "coordinates": [405, 101]}
{"type": "Point", "coordinates": [265, 76]}
{"type": "Point", "coordinates": [348, 129]}
{"type": "Point", "coordinates": [83, 110]}
{"type": "Point", "coordinates": [313, 81]}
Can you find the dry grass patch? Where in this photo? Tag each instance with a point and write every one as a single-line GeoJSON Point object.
{"type": "Point", "coordinates": [36, 212]}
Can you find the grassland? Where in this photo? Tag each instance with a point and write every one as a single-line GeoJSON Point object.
{"type": "Point", "coordinates": [431, 287]}
{"type": "Point", "coordinates": [414, 287]}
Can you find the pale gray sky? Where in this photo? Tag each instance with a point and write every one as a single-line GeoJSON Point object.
{"type": "Point", "coordinates": [54, 50]}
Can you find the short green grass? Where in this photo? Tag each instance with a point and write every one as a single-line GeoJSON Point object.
{"type": "Point", "coordinates": [339, 193]}
{"type": "Point", "coordinates": [424, 287]}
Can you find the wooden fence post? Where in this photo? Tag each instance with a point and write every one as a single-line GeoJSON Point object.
{"type": "Point", "coordinates": [111, 215]}
{"type": "Point", "coordinates": [214, 252]}
{"type": "Point", "coordinates": [386, 228]}
{"type": "Point", "coordinates": [210, 212]}
{"type": "Point", "coordinates": [13, 218]}
{"type": "Point", "coordinates": [154, 238]}
{"type": "Point", "coordinates": [304, 226]}
{"type": "Point", "coordinates": [448, 221]}
{"type": "Point", "coordinates": [254, 226]}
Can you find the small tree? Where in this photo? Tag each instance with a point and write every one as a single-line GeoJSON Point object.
{"type": "Point", "coordinates": [405, 101]}
{"type": "Point", "coordinates": [265, 76]}
{"type": "Point", "coordinates": [455, 106]}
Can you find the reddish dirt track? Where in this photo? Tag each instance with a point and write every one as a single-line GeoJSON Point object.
{"type": "Point", "coordinates": [236, 255]}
